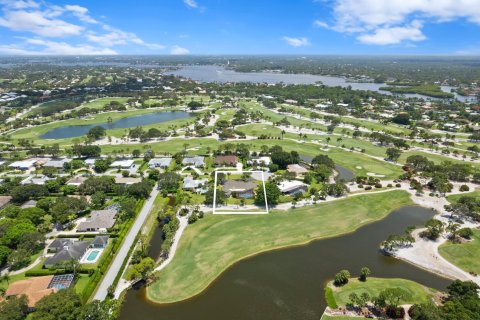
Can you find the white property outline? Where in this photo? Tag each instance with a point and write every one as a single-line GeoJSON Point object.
{"type": "Point", "coordinates": [238, 212]}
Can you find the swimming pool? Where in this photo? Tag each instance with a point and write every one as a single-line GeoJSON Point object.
{"type": "Point", "coordinates": [91, 256]}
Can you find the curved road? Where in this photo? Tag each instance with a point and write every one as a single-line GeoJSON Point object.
{"type": "Point", "coordinates": [122, 253]}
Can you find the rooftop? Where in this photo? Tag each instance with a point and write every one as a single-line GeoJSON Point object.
{"type": "Point", "coordinates": [34, 288]}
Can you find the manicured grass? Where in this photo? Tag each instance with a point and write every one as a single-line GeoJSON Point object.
{"type": "Point", "coordinates": [417, 293]}
{"type": "Point", "coordinates": [455, 197]}
{"type": "Point", "coordinates": [81, 283]}
{"type": "Point", "coordinates": [101, 102]}
{"type": "Point", "coordinates": [464, 255]}
{"type": "Point", "coordinates": [215, 242]}
{"type": "Point", "coordinates": [436, 158]}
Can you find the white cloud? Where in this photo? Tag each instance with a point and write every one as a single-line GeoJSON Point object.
{"type": "Point", "coordinates": [394, 21]}
{"type": "Point", "coordinates": [37, 23]}
{"type": "Point", "coordinates": [70, 22]}
{"type": "Point", "coordinates": [394, 35]}
{"type": "Point", "coordinates": [81, 13]}
{"type": "Point", "coordinates": [320, 24]}
{"type": "Point", "coordinates": [296, 42]}
{"type": "Point", "coordinates": [191, 3]}
{"type": "Point", "coordinates": [177, 50]}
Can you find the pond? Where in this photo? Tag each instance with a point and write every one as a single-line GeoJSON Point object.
{"type": "Point", "coordinates": [289, 283]}
{"type": "Point", "coordinates": [220, 74]}
{"type": "Point", "coordinates": [127, 122]}
{"type": "Point", "coordinates": [344, 173]}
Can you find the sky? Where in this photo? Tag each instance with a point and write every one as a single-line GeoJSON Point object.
{"type": "Point", "coordinates": [361, 27]}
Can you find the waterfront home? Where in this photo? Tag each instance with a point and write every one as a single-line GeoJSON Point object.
{"type": "Point", "coordinates": [292, 187]}
{"type": "Point", "coordinates": [71, 250]}
{"type": "Point", "coordinates": [239, 188]}
{"type": "Point", "coordinates": [297, 169]}
{"type": "Point", "coordinates": [99, 221]}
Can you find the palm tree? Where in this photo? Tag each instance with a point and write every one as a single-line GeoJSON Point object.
{"type": "Point", "coordinates": [282, 133]}
{"type": "Point", "coordinates": [6, 277]}
{"type": "Point", "coordinates": [328, 140]}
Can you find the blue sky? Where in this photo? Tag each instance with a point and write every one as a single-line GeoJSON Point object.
{"type": "Point", "coordinates": [81, 27]}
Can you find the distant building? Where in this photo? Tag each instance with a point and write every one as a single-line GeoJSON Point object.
{"type": "Point", "coordinates": [76, 181]}
{"type": "Point", "coordinates": [262, 161]}
{"type": "Point", "coordinates": [29, 204]}
{"type": "Point", "coordinates": [99, 221]}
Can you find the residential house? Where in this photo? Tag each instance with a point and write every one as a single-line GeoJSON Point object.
{"type": "Point", "coordinates": [297, 169]}
{"type": "Point", "coordinates": [29, 204]}
{"type": "Point", "coordinates": [99, 242]}
{"type": "Point", "coordinates": [198, 161]}
{"type": "Point", "coordinates": [191, 184]}
{"type": "Point", "coordinates": [261, 161]}
{"type": "Point", "coordinates": [59, 244]}
{"type": "Point", "coordinates": [76, 181]}
{"type": "Point", "coordinates": [36, 179]}
{"type": "Point", "coordinates": [127, 164]}
{"type": "Point", "coordinates": [73, 250]}
{"type": "Point", "coordinates": [229, 160]}
{"type": "Point", "coordinates": [99, 221]}
{"type": "Point", "coordinates": [34, 289]}
{"type": "Point", "coordinates": [4, 201]}
{"type": "Point", "coordinates": [126, 181]}
{"type": "Point", "coordinates": [58, 164]}
{"type": "Point", "coordinates": [159, 163]}
{"type": "Point", "coordinates": [239, 188]}
{"type": "Point", "coordinates": [292, 187]}
{"type": "Point", "coordinates": [23, 165]}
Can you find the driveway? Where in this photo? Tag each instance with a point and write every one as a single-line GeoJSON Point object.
{"type": "Point", "coordinates": [122, 253]}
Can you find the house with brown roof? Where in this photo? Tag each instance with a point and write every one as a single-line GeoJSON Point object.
{"type": "Point", "coordinates": [229, 160]}
{"type": "Point", "coordinates": [34, 288]}
{"type": "Point", "coordinates": [4, 201]}
{"type": "Point", "coordinates": [297, 169]}
{"type": "Point", "coordinates": [99, 221]}
{"type": "Point", "coordinates": [239, 188]}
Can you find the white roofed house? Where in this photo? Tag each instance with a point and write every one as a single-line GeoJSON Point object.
{"type": "Point", "coordinates": [197, 161]}
{"type": "Point", "coordinates": [23, 165]}
{"type": "Point", "coordinates": [58, 164]}
{"type": "Point", "coordinates": [191, 184]}
{"type": "Point", "coordinates": [159, 163]}
{"type": "Point", "coordinates": [35, 179]}
{"type": "Point", "coordinates": [261, 161]}
{"type": "Point", "coordinates": [292, 187]}
{"type": "Point", "coordinates": [124, 164]}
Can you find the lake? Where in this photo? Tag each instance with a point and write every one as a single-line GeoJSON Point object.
{"type": "Point", "coordinates": [220, 74]}
{"type": "Point", "coordinates": [289, 283]}
{"type": "Point", "coordinates": [127, 122]}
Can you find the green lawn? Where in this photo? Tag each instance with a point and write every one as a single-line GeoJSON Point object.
{"type": "Point", "coordinates": [417, 292]}
{"type": "Point", "coordinates": [436, 158]}
{"type": "Point", "coordinates": [215, 242]}
{"type": "Point", "coordinates": [464, 255]}
{"type": "Point", "coordinates": [455, 197]}
{"type": "Point", "coordinates": [101, 102]}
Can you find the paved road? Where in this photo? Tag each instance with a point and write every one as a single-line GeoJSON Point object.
{"type": "Point", "coordinates": [114, 269]}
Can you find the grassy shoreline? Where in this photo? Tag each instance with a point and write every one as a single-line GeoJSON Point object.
{"type": "Point", "coordinates": [213, 244]}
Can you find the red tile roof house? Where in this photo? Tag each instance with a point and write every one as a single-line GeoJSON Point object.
{"type": "Point", "coordinates": [225, 161]}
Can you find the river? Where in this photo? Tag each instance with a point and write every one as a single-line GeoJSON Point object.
{"type": "Point", "coordinates": [127, 122]}
{"type": "Point", "coordinates": [289, 283]}
{"type": "Point", "coordinates": [212, 73]}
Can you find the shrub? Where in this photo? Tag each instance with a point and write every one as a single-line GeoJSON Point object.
{"type": "Point", "coordinates": [330, 298]}
{"type": "Point", "coordinates": [378, 185]}
{"type": "Point", "coordinates": [465, 233]}
{"type": "Point", "coordinates": [368, 188]}
{"type": "Point", "coordinates": [389, 185]}
{"type": "Point", "coordinates": [464, 188]}
{"type": "Point", "coordinates": [395, 312]}
{"type": "Point", "coordinates": [398, 185]}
